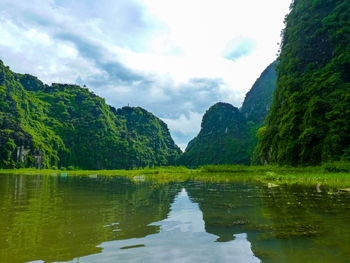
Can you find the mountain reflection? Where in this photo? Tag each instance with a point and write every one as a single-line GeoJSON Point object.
{"type": "Point", "coordinates": [51, 218]}
{"type": "Point", "coordinates": [112, 219]}
{"type": "Point", "coordinates": [182, 238]}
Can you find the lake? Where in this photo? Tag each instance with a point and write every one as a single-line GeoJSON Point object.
{"type": "Point", "coordinates": [60, 218]}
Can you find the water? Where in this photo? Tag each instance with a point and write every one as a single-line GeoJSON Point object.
{"type": "Point", "coordinates": [111, 219]}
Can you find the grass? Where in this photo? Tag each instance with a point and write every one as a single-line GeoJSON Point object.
{"type": "Point", "coordinates": [144, 171]}
{"type": "Point", "coordinates": [333, 174]}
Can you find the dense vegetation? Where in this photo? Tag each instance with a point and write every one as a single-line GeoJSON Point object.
{"type": "Point", "coordinates": [223, 138]}
{"type": "Point", "coordinates": [149, 137]}
{"type": "Point", "coordinates": [69, 126]}
{"type": "Point", "coordinates": [257, 101]}
{"type": "Point", "coordinates": [227, 134]}
{"type": "Point", "coordinates": [335, 175]}
{"type": "Point", "coordinates": [309, 121]}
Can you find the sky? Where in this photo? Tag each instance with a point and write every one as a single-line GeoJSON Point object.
{"type": "Point", "coordinates": [173, 58]}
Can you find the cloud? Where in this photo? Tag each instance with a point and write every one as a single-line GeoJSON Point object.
{"type": "Point", "coordinates": [184, 127]}
{"type": "Point", "coordinates": [115, 71]}
{"type": "Point", "coordinates": [238, 48]}
{"type": "Point", "coordinates": [165, 97]}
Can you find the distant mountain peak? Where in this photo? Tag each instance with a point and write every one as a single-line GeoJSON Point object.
{"type": "Point", "coordinates": [227, 134]}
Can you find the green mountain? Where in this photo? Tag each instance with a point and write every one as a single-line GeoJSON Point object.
{"type": "Point", "coordinates": [222, 139]}
{"type": "Point", "coordinates": [309, 121]}
{"type": "Point", "coordinates": [66, 125]}
{"type": "Point", "coordinates": [149, 137]}
{"type": "Point", "coordinates": [257, 102]}
{"type": "Point", "coordinates": [227, 134]}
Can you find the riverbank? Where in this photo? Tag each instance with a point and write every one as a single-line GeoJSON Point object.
{"type": "Point", "coordinates": [334, 174]}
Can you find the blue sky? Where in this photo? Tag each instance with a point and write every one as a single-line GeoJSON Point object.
{"type": "Point", "coordinates": [173, 58]}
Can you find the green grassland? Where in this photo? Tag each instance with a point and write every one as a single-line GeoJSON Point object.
{"type": "Point", "coordinates": [332, 174]}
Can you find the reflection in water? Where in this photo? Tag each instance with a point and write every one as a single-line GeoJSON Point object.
{"type": "Point", "coordinates": [111, 219]}
{"type": "Point", "coordinates": [182, 238]}
{"type": "Point", "coordinates": [58, 219]}
{"type": "Point", "coordinates": [283, 224]}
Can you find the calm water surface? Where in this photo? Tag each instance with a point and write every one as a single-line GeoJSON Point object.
{"type": "Point", "coordinates": [112, 219]}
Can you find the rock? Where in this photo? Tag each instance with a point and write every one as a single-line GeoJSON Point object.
{"type": "Point", "coordinates": [271, 185]}
{"type": "Point", "coordinates": [22, 153]}
{"type": "Point", "coordinates": [139, 178]}
{"type": "Point", "coordinates": [318, 188]}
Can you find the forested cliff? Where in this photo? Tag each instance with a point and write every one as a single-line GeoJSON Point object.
{"type": "Point", "coordinates": [66, 125]}
{"type": "Point", "coordinates": [309, 121]}
{"type": "Point", "coordinates": [223, 138]}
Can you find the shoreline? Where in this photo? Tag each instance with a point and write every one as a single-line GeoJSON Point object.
{"type": "Point", "coordinates": [271, 175]}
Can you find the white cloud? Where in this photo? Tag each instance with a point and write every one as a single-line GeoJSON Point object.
{"type": "Point", "coordinates": [174, 58]}
{"type": "Point", "coordinates": [184, 127]}
{"type": "Point", "coordinates": [187, 125]}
